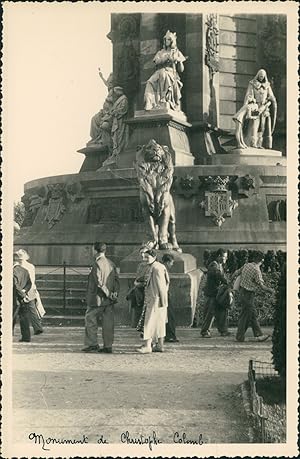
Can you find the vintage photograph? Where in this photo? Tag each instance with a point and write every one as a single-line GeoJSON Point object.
{"type": "Point", "coordinates": [148, 153]}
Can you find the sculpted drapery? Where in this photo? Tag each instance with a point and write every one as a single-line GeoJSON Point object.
{"type": "Point", "coordinates": [255, 121]}
{"type": "Point", "coordinates": [164, 86]}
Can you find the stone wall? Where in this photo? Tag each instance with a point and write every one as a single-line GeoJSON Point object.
{"type": "Point", "coordinates": [238, 63]}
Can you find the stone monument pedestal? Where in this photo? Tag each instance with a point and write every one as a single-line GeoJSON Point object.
{"type": "Point", "coordinates": [185, 280]}
{"type": "Point", "coordinates": [250, 156]}
{"type": "Point", "coordinates": [95, 155]}
{"type": "Point", "coordinates": [167, 127]}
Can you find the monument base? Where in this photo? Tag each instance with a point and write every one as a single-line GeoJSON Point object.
{"type": "Point", "coordinates": [250, 156]}
{"type": "Point", "coordinates": [185, 279]}
{"type": "Point", "coordinates": [167, 127]}
{"type": "Point", "coordinates": [95, 155]}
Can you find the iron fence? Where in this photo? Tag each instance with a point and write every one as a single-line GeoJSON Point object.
{"type": "Point", "coordinates": [65, 290]}
{"type": "Point", "coordinates": [263, 423]}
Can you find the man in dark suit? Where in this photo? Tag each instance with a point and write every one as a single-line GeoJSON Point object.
{"type": "Point", "coordinates": [102, 292]}
{"type": "Point", "coordinates": [168, 261]}
{"type": "Point", "coordinates": [21, 303]}
{"type": "Point", "coordinates": [215, 278]}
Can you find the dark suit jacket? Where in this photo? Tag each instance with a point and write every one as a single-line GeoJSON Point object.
{"type": "Point", "coordinates": [102, 281]}
{"type": "Point", "coordinates": [21, 284]}
{"type": "Point", "coordinates": [215, 278]}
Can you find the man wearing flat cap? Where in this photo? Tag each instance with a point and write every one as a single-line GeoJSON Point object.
{"type": "Point", "coordinates": [102, 293]}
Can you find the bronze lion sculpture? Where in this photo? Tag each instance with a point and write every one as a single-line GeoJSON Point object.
{"type": "Point", "coordinates": [154, 168]}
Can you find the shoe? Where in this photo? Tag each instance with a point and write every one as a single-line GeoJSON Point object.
{"type": "Point", "coordinates": [38, 332]}
{"type": "Point", "coordinates": [225, 333]}
{"type": "Point", "coordinates": [171, 340]}
{"type": "Point", "coordinates": [206, 334]}
{"type": "Point", "coordinates": [262, 338]}
{"type": "Point", "coordinates": [105, 350]}
{"type": "Point", "coordinates": [90, 348]}
{"type": "Point", "coordinates": [240, 340]}
{"type": "Point", "coordinates": [21, 340]}
{"type": "Point", "coordinates": [144, 350]}
{"type": "Point", "coordinates": [157, 349]}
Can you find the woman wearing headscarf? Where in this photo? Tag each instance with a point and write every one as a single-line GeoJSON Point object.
{"type": "Point", "coordinates": [156, 304]}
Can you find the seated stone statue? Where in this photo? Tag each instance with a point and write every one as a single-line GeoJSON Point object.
{"type": "Point", "coordinates": [164, 86]}
{"type": "Point", "coordinates": [101, 123]}
{"type": "Point", "coordinates": [255, 121]}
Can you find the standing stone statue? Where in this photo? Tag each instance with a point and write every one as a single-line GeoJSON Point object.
{"type": "Point", "coordinates": [101, 123]}
{"type": "Point", "coordinates": [255, 121]}
{"type": "Point", "coordinates": [164, 86]}
{"type": "Point", "coordinates": [119, 128]}
{"type": "Point", "coordinates": [154, 168]}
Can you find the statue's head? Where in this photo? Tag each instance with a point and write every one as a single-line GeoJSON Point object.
{"type": "Point", "coordinates": [170, 40]}
{"type": "Point", "coordinates": [154, 152]}
{"type": "Point", "coordinates": [118, 91]}
{"type": "Point", "coordinates": [261, 76]}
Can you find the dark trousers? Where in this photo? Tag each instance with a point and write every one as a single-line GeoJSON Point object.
{"type": "Point", "coordinates": [212, 310]}
{"type": "Point", "coordinates": [248, 317]}
{"type": "Point", "coordinates": [93, 316]}
{"type": "Point", "coordinates": [171, 324]}
{"type": "Point", "coordinates": [24, 315]}
{"type": "Point", "coordinates": [34, 318]}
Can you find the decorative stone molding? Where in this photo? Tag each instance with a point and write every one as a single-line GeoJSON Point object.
{"type": "Point", "coordinates": [245, 186]}
{"type": "Point", "coordinates": [218, 205]}
{"type": "Point", "coordinates": [212, 44]}
{"type": "Point", "coordinates": [56, 203]}
{"type": "Point", "coordinates": [186, 186]}
{"type": "Point", "coordinates": [214, 182]}
{"type": "Point", "coordinates": [33, 201]}
{"type": "Point", "coordinates": [276, 206]}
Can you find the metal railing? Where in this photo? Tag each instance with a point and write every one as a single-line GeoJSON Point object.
{"type": "Point", "coordinates": [263, 423]}
{"type": "Point", "coordinates": [64, 269]}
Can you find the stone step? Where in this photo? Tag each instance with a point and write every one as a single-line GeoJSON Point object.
{"type": "Point", "coordinates": [58, 283]}
{"type": "Point", "coordinates": [52, 294]}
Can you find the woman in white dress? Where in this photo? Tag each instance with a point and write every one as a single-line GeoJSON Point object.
{"type": "Point", "coordinates": [156, 301]}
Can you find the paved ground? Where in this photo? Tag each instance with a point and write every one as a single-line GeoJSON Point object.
{"type": "Point", "coordinates": [193, 387]}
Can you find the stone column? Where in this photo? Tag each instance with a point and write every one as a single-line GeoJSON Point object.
{"type": "Point", "coordinates": [202, 84]}
{"type": "Point", "coordinates": [149, 45]}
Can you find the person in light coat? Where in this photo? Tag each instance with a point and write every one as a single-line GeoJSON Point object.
{"type": "Point", "coordinates": [33, 293]}
{"type": "Point", "coordinates": [156, 301]}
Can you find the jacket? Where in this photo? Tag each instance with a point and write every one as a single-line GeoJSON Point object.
{"type": "Point", "coordinates": [21, 284]}
{"type": "Point", "coordinates": [215, 278]}
{"type": "Point", "coordinates": [103, 280]}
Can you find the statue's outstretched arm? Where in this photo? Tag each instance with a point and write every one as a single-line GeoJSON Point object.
{"type": "Point", "coordinates": [102, 77]}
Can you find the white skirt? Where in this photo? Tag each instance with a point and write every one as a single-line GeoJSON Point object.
{"type": "Point", "coordinates": [155, 319]}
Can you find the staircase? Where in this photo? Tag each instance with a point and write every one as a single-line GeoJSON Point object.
{"type": "Point", "coordinates": [63, 294]}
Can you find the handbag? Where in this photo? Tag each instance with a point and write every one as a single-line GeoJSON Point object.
{"type": "Point", "coordinates": [224, 297]}
{"type": "Point", "coordinates": [39, 305]}
{"type": "Point", "coordinates": [237, 283]}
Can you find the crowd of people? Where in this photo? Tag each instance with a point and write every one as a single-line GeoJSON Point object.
{"type": "Point", "coordinates": [152, 305]}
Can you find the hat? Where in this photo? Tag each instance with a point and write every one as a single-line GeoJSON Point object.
{"type": "Point", "coordinates": [100, 246]}
{"type": "Point", "coordinates": [146, 246]}
{"type": "Point", "coordinates": [22, 254]}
